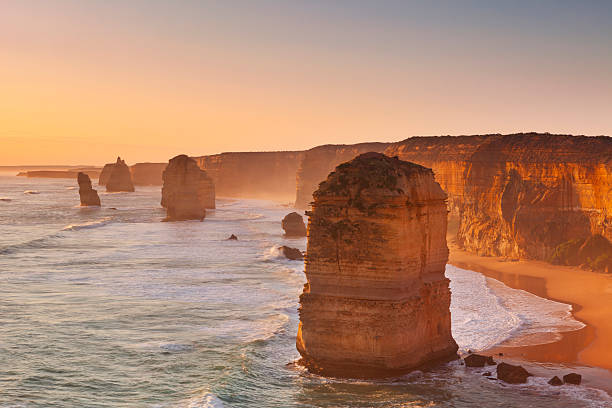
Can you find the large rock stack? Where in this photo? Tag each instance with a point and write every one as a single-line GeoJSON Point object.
{"type": "Point", "coordinates": [377, 302]}
{"type": "Point", "coordinates": [187, 190]}
{"type": "Point", "coordinates": [120, 178]}
{"type": "Point", "coordinates": [88, 195]}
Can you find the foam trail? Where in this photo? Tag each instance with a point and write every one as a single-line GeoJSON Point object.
{"type": "Point", "coordinates": [87, 225]}
{"type": "Point", "coordinates": [31, 192]}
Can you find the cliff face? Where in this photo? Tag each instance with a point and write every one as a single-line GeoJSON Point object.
{"type": "Point", "coordinates": [147, 174]}
{"type": "Point", "coordinates": [187, 190]}
{"type": "Point", "coordinates": [253, 174]}
{"type": "Point", "coordinates": [377, 301]}
{"type": "Point", "coordinates": [526, 194]}
{"type": "Point", "coordinates": [120, 178]}
{"type": "Point", "coordinates": [319, 161]}
{"type": "Point", "coordinates": [87, 194]}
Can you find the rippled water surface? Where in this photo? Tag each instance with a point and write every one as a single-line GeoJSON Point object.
{"type": "Point", "coordinates": [109, 307]}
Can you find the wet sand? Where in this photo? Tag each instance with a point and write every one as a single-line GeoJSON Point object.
{"type": "Point", "coordinates": [589, 293]}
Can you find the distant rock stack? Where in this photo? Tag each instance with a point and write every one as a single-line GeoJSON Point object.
{"type": "Point", "coordinates": [376, 302]}
{"type": "Point", "coordinates": [88, 195]}
{"type": "Point", "coordinates": [147, 174]}
{"type": "Point", "coordinates": [187, 190]}
{"type": "Point", "coordinates": [120, 178]}
{"type": "Point", "coordinates": [294, 226]}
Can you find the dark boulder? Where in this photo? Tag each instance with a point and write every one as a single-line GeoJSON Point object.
{"type": "Point", "coordinates": [476, 360]}
{"type": "Point", "coordinates": [512, 374]}
{"type": "Point", "coordinates": [232, 238]}
{"type": "Point", "coordinates": [556, 381]}
{"type": "Point", "coordinates": [293, 254]}
{"type": "Point", "coordinates": [294, 226]}
{"type": "Point", "coordinates": [572, 378]}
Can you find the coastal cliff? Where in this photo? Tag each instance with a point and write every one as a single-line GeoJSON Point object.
{"type": "Point", "coordinates": [377, 301]}
{"type": "Point", "coordinates": [268, 175]}
{"type": "Point", "coordinates": [519, 196]}
{"type": "Point", "coordinates": [319, 161]}
{"type": "Point", "coordinates": [187, 190]}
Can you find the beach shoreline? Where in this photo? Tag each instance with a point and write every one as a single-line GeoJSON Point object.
{"type": "Point", "coordinates": [589, 294]}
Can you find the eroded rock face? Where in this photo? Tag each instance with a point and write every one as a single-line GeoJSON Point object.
{"type": "Point", "coordinates": [88, 195]}
{"type": "Point", "coordinates": [294, 226]}
{"type": "Point", "coordinates": [187, 191]}
{"type": "Point", "coordinates": [377, 301]}
{"type": "Point", "coordinates": [120, 178]}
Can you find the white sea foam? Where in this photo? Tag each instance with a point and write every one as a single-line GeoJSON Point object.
{"type": "Point", "coordinates": [4, 199]}
{"type": "Point", "coordinates": [87, 225]}
{"type": "Point", "coordinates": [31, 192]}
{"type": "Point", "coordinates": [485, 313]}
{"type": "Point", "coordinates": [205, 400]}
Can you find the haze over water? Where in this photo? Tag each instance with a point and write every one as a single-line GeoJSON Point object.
{"type": "Point", "coordinates": [102, 307]}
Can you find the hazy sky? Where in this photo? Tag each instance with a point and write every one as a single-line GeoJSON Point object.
{"type": "Point", "coordinates": [83, 81]}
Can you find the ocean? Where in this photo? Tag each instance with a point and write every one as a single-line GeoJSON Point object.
{"type": "Point", "coordinates": [110, 307]}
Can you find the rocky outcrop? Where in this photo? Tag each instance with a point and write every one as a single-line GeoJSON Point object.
{"type": "Point", "coordinates": [267, 175]}
{"type": "Point", "coordinates": [294, 226]}
{"type": "Point", "coordinates": [88, 195]}
{"type": "Point", "coordinates": [120, 178]}
{"type": "Point", "coordinates": [376, 302]}
{"type": "Point", "coordinates": [593, 253]}
{"type": "Point", "coordinates": [512, 374]}
{"type": "Point", "coordinates": [147, 174]}
{"type": "Point", "coordinates": [319, 161]}
{"type": "Point", "coordinates": [187, 191]}
{"type": "Point", "coordinates": [555, 381]}
{"type": "Point", "coordinates": [572, 378]}
{"type": "Point", "coordinates": [293, 254]}
{"type": "Point", "coordinates": [477, 360]}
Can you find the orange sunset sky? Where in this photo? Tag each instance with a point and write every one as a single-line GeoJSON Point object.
{"type": "Point", "coordinates": [84, 81]}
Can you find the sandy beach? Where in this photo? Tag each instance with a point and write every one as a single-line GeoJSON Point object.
{"type": "Point", "coordinates": [589, 293]}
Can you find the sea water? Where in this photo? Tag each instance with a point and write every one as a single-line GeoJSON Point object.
{"type": "Point", "coordinates": [110, 307]}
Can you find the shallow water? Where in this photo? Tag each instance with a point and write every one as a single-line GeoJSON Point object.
{"type": "Point", "coordinates": [106, 308]}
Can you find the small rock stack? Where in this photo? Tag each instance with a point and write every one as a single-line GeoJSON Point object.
{"type": "Point", "coordinates": [88, 195]}
{"type": "Point", "coordinates": [294, 226]}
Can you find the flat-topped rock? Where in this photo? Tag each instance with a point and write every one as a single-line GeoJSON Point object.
{"type": "Point", "coordinates": [376, 302]}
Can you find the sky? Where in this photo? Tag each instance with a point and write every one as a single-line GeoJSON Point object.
{"type": "Point", "coordinates": [84, 81]}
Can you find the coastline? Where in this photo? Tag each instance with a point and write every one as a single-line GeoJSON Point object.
{"type": "Point", "coordinates": [589, 293]}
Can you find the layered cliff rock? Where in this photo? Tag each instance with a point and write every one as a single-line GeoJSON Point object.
{"type": "Point", "coordinates": [527, 194]}
{"type": "Point", "coordinates": [120, 178]}
{"type": "Point", "coordinates": [87, 194]}
{"type": "Point", "coordinates": [147, 174]}
{"type": "Point", "coordinates": [518, 196]}
{"type": "Point", "coordinates": [294, 226]}
{"type": "Point", "coordinates": [187, 190]}
{"type": "Point", "coordinates": [319, 161]}
{"type": "Point", "coordinates": [269, 175]}
{"type": "Point", "coordinates": [377, 301]}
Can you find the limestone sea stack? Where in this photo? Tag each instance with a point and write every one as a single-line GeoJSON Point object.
{"type": "Point", "coordinates": [88, 195]}
{"type": "Point", "coordinates": [376, 302]}
{"type": "Point", "coordinates": [293, 224]}
{"type": "Point", "coordinates": [187, 190]}
{"type": "Point", "coordinates": [120, 178]}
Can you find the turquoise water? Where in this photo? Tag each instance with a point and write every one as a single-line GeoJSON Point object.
{"type": "Point", "coordinates": [104, 307]}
